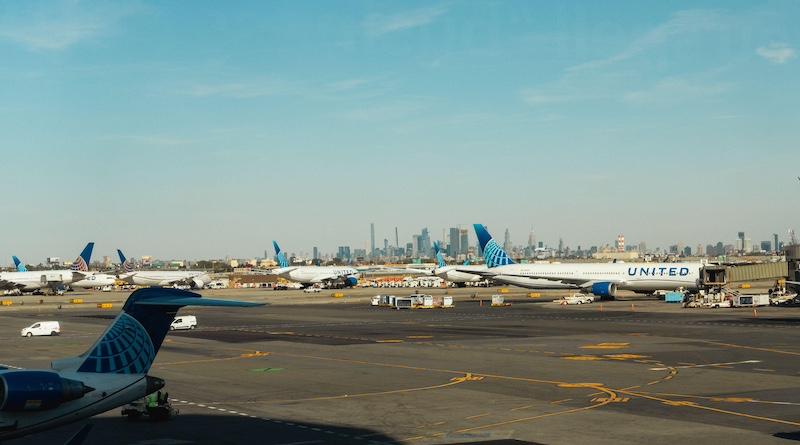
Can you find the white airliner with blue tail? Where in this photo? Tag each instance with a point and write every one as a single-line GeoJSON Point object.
{"type": "Point", "coordinates": [112, 373]}
{"type": "Point", "coordinates": [459, 275]}
{"type": "Point", "coordinates": [26, 281]}
{"type": "Point", "coordinates": [94, 279]}
{"type": "Point", "coordinates": [195, 279]}
{"type": "Point", "coordinates": [330, 276]}
{"type": "Point", "coordinates": [601, 279]}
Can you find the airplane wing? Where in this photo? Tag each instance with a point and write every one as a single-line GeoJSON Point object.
{"type": "Point", "coordinates": [324, 278]}
{"type": "Point", "coordinates": [10, 285]}
{"type": "Point", "coordinates": [483, 273]}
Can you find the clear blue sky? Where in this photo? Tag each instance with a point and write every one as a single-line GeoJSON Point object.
{"type": "Point", "coordinates": [195, 129]}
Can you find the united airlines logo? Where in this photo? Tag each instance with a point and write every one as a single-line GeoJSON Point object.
{"type": "Point", "coordinates": [494, 255]}
{"type": "Point", "coordinates": [124, 349]}
{"type": "Point", "coordinates": [80, 265]}
{"type": "Point", "coordinates": [658, 271]}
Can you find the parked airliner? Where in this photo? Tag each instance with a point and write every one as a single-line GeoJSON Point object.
{"type": "Point", "coordinates": [194, 278]}
{"type": "Point", "coordinates": [602, 279]}
{"type": "Point", "coordinates": [449, 273]}
{"type": "Point", "coordinates": [48, 279]}
{"type": "Point", "coordinates": [330, 276]}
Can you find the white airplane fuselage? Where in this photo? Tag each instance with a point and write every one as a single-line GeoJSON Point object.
{"type": "Point", "coordinates": [166, 277]}
{"type": "Point", "coordinates": [644, 277]}
{"type": "Point", "coordinates": [315, 274]}
{"type": "Point", "coordinates": [29, 281]}
{"type": "Point", "coordinates": [95, 280]}
{"type": "Point", "coordinates": [460, 274]}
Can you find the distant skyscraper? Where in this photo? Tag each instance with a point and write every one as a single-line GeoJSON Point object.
{"type": "Point", "coordinates": [396, 238]}
{"type": "Point", "coordinates": [740, 243]}
{"type": "Point", "coordinates": [507, 246]}
{"type": "Point", "coordinates": [455, 242]}
{"type": "Point", "coordinates": [371, 239]}
{"type": "Point", "coordinates": [560, 245]}
{"type": "Point", "coordinates": [425, 243]}
{"type": "Point", "coordinates": [316, 253]}
{"type": "Point", "coordinates": [531, 240]}
{"type": "Point", "coordinates": [464, 235]}
{"type": "Point", "coordinates": [775, 242]}
{"type": "Point", "coordinates": [621, 243]}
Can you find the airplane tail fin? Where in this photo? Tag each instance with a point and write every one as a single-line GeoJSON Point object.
{"type": "Point", "coordinates": [492, 252]}
{"type": "Point", "coordinates": [439, 256]}
{"type": "Point", "coordinates": [126, 264]}
{"type": "Point", "coordinates": [280, 257]}
{"type": "Point", "coordinates": [81, 264]}
{"type": "Point", "coordinates": [19, 264]}
{"type": "Point", "coordinates": [131, 342]}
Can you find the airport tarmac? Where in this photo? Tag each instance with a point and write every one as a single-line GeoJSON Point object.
{"type": "Point", "coordinates": [344, 372]}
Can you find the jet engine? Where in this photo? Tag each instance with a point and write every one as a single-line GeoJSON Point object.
{"type": "Point", "coordinates": [606, 291]}
{"type": "Point", "coordinates": [197, 283]}
{"type": "Point", "coordinates": [350, 281]}
{"type": "Point", "coordinates": [37, 390]}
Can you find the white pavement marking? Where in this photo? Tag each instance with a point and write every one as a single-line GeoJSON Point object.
{"type": "Point", "coordinates": [291, 424]}
{"type": "Point", "coordinates": [706, 365]}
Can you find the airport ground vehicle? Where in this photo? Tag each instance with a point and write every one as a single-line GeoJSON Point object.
{"type": "Point", "coordinates": [155, 406]}
{"type": "Point", "coordinates": [41, 328]}
{"type": "Point", "coordinates": [183, 322]}
{"type": "Point", "coordinates": [312, 290]}
{"type": "Point", "coordinates": [576, 298]}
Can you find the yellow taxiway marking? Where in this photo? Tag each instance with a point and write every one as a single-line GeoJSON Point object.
{"type": "Point", "coordinates": [606, 346]}
{"type": "Point", "coordinates": [389, 341]}
{"type": "Point", "coordinates": [731, 345]}
{"type": "Point", "coordinates": [452, 382]}
{"type": "Point", "coordinates": [695, 405]}
{"type": "Point", "coordinates": [477, 416]}
{"type": "Point", "coordinates": [521, 407]}
{"type": "Point", "coordinates": [556, 402]}
{"type": "Point", "coordinates": [419, 336]}
{"type": "Point", "coordinates": [713, 365]}
{"type": "Point", "coordinates": [723, 399]}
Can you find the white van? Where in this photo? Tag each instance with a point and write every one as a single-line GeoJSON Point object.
{"type": "Point", "coordinates": [183, 322]}
{"type": "Point", "coordinates": [41, 328]}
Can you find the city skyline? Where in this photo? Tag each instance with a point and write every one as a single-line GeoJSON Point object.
{"type": "Point", "coordinates": [664, 121]}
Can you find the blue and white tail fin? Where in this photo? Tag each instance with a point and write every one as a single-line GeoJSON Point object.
{"type": "Point", "coordinates": [131, 343]}
{"type": "Point", "coordinates": [280, 257]}
{"type": "Point", "coordinates": [19, 264]}
{"type": "Point", "coordinates": [439, 256]}
{"type": "Point", "coordinates": [81, 264]}
{"type": "Point", "coordinates": [492, 252]}
{"type": "Point", "coordinates": [125, 264]}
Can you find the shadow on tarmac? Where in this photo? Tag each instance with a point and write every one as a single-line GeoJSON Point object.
{"type": "Point", "coordinates": [207, 430]}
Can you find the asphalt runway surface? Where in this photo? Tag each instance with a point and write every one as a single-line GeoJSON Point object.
{"type": "Point", "coordinates": [533, 372]}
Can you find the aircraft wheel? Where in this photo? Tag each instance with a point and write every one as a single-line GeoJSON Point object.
{"type": "Point", "coordinates": [29, 334]}
{"type": "Point", "coordinates": [172, 328]}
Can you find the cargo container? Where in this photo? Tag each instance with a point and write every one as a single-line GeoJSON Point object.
{"type": "Point", "coordinates": [403, 303]}
{"type": "Point", "coordinates": [673, 297]}
{"type": "Point", "coordinates": [750, 300]}
{"type": "Point", "coordinates": [447, 301]}
{"type": "Point", "coordinates": [498, 300]}
{"type": "Point", "coordinates": [427, 300]}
